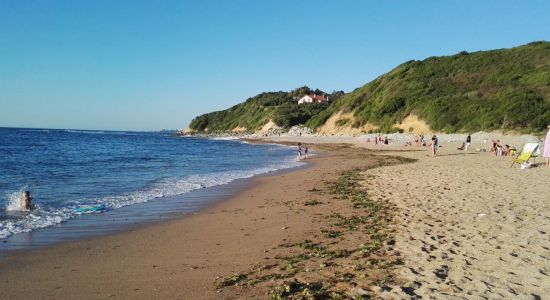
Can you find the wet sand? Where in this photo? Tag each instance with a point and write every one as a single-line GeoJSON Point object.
{"type": "Point", "coordinates": [187, 258]}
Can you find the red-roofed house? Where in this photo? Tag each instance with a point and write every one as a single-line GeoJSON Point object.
{"type": "Point", "coordinates": [313, 98]}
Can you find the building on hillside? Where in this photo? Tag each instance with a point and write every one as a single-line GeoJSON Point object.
{"type": "Point", "coordinates": [313, 98]}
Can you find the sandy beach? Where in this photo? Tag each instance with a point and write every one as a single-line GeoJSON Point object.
{"type": "Point", "coordinates": [282, 150]}
{"type": "Point", "coordinates": [354, 223]}
{"type": "Point", "coordinates": [191, 257]}
{"type": "Point", "coordinates": [469, 225]}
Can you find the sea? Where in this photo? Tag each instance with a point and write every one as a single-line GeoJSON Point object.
{"type": "Point", "coordinates": [133, 176]}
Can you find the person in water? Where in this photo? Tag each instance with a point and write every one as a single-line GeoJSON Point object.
{"type": "Point", "coordinates": [27, 200]}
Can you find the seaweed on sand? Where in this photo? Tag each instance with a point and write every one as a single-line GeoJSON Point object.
{"type": "Point", "coordinates": [338, 264]}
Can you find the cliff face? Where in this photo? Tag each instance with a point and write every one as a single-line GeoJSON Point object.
{"type": "Point", "coordinates": [487, 90]}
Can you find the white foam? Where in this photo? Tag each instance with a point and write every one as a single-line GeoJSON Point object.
{"type": "Point", "coordinates": [177, 186]}
{"type": "Point", "coordinates": [36, 219]}
{"type": "Point", "coordinates": [41, 217]}
{"type": "Point", "coordinates": [224, 138]}
{"type": "Point", "coordinates": [15, 200]}
{"type": "Point", "coordinates": [100, 132]}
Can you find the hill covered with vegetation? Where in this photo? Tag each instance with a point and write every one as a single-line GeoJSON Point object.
{"type": "Point", "coordinates": [278, 107]}
{"type": "Point", "coordinates": [485, 90]}
{"type": "Point", "coordinates": [506, 89]}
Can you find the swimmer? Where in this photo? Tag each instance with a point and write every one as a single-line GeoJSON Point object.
{"type": "Point", "coordinates": [27, 200]}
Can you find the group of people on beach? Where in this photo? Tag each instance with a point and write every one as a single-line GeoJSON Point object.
{"type": "Point", "coordinates": [418, 140]}
{"type": "Point", "coordinates": [466, 145]}
{"type": "Point", "coordinates": [421, 142]}
{"type": "Point", "coordinates": [499, 150]}
{"type": "Point", "coordinates": [381, 141]}
{"type": "Point", "coordinates": [496, 147]}
{"type": "Point", "coordinates": [302, 152]}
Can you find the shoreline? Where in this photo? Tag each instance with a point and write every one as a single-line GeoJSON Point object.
{"type": "Point", "coordinates": [292, 231]}
{"type": "Point", "coordinates": [468, 225]}
{"type": "Point", "coordinates": [161, 253]}
{"type": "Point", "coordinates": [201, 199]}
{"type": "Point", "coordinates": [128, 217]}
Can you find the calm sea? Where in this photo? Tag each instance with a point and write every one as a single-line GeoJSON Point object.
{"type": "Point", "coordinates": [65, 169]}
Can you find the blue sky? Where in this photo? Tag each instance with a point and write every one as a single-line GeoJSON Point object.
{"type": "Point", "coordinates": [148, 65]}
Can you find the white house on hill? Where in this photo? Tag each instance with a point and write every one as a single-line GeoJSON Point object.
{"type": "Point", "coordinates": [313, 98]}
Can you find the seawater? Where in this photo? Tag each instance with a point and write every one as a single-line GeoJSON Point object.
{"type": "Point", "coordinates": [64, 169]}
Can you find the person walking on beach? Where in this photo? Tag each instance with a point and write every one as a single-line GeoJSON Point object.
{"type": "Point", "coordinates": [546, 153]}
{"type": "Point", "coordinates": [299, 151]}
{"type": "Point", "coordinates": [305, 152]}
{"type": "Point", "coordinates": [468, 141]}
{"type": "Point", "coordinates": [434, 145]}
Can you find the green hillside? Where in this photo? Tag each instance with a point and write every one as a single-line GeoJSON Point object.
{"type": "Point", "coordinates": [255, 112]}
{"type": "Point", "coordinates": [487, 90]}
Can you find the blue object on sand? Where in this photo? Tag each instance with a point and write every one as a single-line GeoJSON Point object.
{"type": "Point", "coordinates": [90, 208]}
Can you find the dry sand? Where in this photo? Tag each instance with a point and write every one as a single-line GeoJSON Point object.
{"type": "Point", "coordinates": [466, 226]}
{"type": "Point", "coordinates": [469, 226]}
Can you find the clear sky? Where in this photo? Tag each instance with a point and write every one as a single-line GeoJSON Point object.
{"type": "Point", "coordinates": [148, 65]}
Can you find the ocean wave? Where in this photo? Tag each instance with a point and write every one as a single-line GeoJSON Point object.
{"type": "Point", "coordinates": [44, 216]}
{"type": "Point", "coordinates": [224, 138]}
{"type": "Point", "coordinates": [86, 131]}
{"type": "Point", "coordinates": [100, 132]}
{"type": "Point", "coordinates": [15, 200]}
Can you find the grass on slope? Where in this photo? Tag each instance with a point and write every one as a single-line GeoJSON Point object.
{"type": "Point", "coordinates": [486, 90]}
{"type": "Point", "coordinates": [260, 109]}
